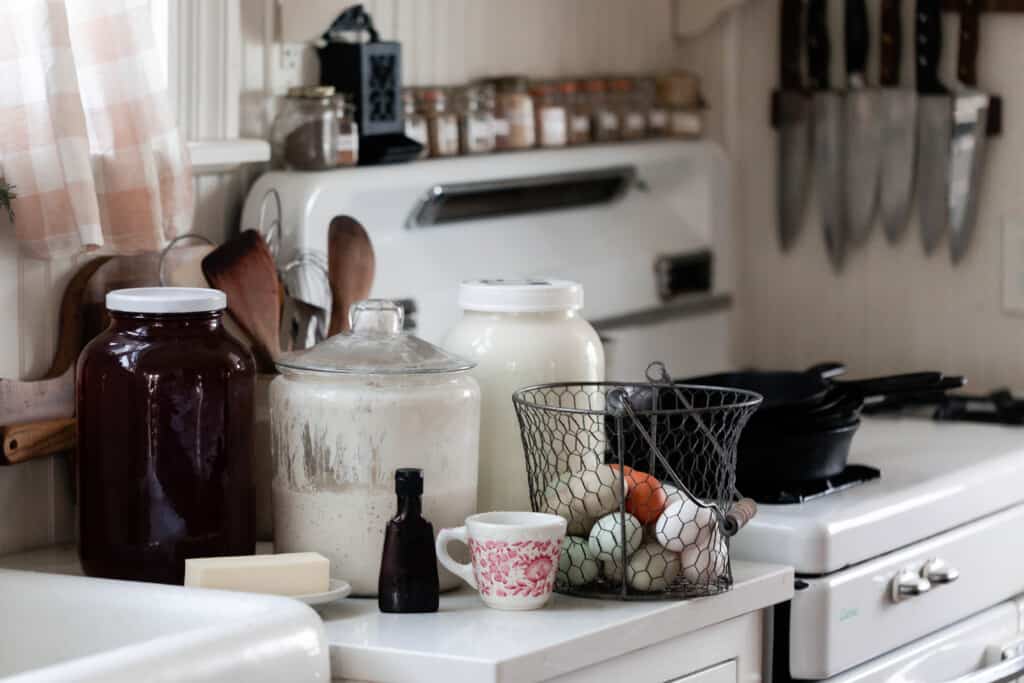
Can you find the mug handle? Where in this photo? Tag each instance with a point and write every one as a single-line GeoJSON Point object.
{"type": "Point", "coordinates": [463, 571]}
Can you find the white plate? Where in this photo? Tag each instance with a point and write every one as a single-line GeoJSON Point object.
{"type": "Point", "coordinates": [338, 589]}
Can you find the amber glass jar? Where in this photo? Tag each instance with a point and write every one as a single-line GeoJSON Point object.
{"type": "Point", "coordinates": [165, 419]}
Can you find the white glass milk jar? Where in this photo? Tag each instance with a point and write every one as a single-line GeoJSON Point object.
{"type": "Point", "coordinates": [347, 413]}
{"type": "Point", "coordinates": [519, 333]}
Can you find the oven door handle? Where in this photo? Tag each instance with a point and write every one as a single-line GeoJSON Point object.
{"type": "Point", "coordinates": [1008, 669]}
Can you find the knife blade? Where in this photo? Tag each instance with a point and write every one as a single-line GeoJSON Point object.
{"type": "Point", "coordinates": [863, 141]}
{"type": "Point", "coordinates": [897, 115]}
{"type": "Point", "coordinates": [794, 112]}
{"type": "Point", "coordinates": [967, 146]}
{"type": "Point", "coordinates": [934, 127]}
{"type": "Point", "coordinates": [827, 134]}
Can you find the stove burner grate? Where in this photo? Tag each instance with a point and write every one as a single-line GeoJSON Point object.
{"type": "Point", "coordinates": [793, 493]}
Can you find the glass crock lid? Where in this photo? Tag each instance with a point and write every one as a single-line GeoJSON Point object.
{"type": "Point", "coordinates": [375, 346]}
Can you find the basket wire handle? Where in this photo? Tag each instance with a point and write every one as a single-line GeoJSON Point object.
{"type": "Point", "coordinates": [743, 510]}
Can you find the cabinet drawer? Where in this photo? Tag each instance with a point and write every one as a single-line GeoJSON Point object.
{"type": "Point", "coordinates": [720, 673]}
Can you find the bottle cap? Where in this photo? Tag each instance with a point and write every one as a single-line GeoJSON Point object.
{"type": "Point", "coordinates": [409, 481]}
{"type": "Point", "coordinates": [520, 296]}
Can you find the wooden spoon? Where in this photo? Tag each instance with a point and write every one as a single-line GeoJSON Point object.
{"type": "Point", "coordinates": [350, 267]}
{"type": "Point", "coordinates": [243, 268]}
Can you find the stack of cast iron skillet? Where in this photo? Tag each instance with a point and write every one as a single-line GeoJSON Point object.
{"type": "Point", "coordinates": [804, 427]}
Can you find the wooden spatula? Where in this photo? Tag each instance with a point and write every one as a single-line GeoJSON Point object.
{"type": "Point", "coordinates": [350, 266]}
{"type": "Point", "coordinates": [243, 268]}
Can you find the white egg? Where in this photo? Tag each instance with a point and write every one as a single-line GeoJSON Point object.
{"type": "Point", "coordinates": [607, 534]}
{"type": "Point", "coordinates": [581, 497]}
{"type": "Point", "coordinates": [612, 571]}
{"type": "Point", "coordinates": [577, 566]}
{"type": "Point", "coordinates": [704, 565]}
{"type": "Point", "coordinates": [652, 568]}
{"type": "Point", "coordinates": [684, 523]}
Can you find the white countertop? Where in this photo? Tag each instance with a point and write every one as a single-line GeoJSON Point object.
{"type": "Point", "coordinates": [468, 642]}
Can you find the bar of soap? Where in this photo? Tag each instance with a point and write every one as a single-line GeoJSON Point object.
{"type": "Point", "coordinates": [282, 574]}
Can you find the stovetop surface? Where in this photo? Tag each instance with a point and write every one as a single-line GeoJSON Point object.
{"type": "Point", "coordinates": [936, 476]}
{"type": "Point", "coordinates": [798, 492]}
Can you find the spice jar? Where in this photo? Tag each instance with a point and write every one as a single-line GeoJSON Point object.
{"type": "Point", "coordinates": [604, 119]}
{"type": "Point", "coordinates": [476, 119]}
{"type": "Point", "coordinates": [415, 122]}
{"type": "Point", "coordinates": [514, 109]}
{"type": "Point", "coordinates": [165, 422]}
{"type": "Point", "coordinates": [442, 123]}
{"type": "Point", "coordinates": [679, 92]}
{"type": "Point", "coordinates": [346, 148]}
{"type": "Point", "coordinates": [305, 133]}
{"type": "Point", "coordinates": [632, 119]}
{"type": "Point", "coordinates": [657, 115]}
{"type": "Point", "coordinates": [552, 119]}
{"type": "Point", "coordinates": [577, 113]}
{"type": "Point", "coordinates": [345, 415]}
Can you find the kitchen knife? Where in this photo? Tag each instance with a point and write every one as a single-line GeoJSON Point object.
{"type": "Point", "coordinates": [827, 134]}
{"type": "Point", "coordinates": [967, 147]}
{"type": "Point", "coordinates": [934, 127]}
{"type": "Point", "coordinates": [862, 144]}
{"type": "Point", "coordinates": [794, 118]}
{"type": "Point", "coordinates": [897, 115]}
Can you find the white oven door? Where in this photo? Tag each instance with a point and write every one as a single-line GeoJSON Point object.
{"type": "Point", "coordinates": [984, 648]}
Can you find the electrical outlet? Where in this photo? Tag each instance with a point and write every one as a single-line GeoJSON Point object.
{"type": "Point", "coordinates": [1013, 264]}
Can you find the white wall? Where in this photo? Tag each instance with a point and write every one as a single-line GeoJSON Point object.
{"type": "Point", "coordinates": [893, 308]}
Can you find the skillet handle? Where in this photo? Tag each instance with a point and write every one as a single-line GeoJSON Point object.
{"type": "Point", "coordinates": [881, 386]}
{"type": "Point", "coordinates": [826, 370]}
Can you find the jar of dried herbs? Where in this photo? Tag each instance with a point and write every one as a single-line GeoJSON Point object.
{"type": "Point", "coordinates": [415, 122]}
{"type": "Point", "coordinates": [657, 114]}
{"type": "Point", "coordinates": [552, 120]}
{"type": "Point", "coordinates": [476, 119]}
{"type": "Point", "coordinates": [346, 148]}
{"type": "Point", "coordinates": [604, 119]}
{"type": "Point", "coordinates": [305, 133]}
{"type": "Point", "coordinates": [442, 122]}
{"type": "Point", "coordinates": [514, 110]}
{"type": "Point", "coordinates": [679, 92]}
{"type": "Point", "coordinates": [632, 119]}
{"type": "Point", "coordinates": [577, 113]}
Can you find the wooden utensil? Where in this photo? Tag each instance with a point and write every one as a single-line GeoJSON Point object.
{"type": "Point", "coordinates": [243, 268]}
{"type": "Point", "coordinates": [22, 442]}
{"type": "Point", "coordinates": [350, 266]}
{"type": "Point", "coordinates": [53, 395]}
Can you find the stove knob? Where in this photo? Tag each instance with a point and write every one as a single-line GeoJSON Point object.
{"type": "Point", "coordinates": [909, 584]}
{"type": "Point", "coordinates": [938, 572]}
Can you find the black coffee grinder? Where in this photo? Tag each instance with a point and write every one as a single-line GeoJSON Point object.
{"type": "Point", "coordinates": [371, 72]}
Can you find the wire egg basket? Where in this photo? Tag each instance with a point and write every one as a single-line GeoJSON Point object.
{"type": "Point", "coordinates": [645, 476]}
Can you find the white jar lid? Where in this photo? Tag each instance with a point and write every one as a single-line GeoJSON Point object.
{"type": "Point", "coordinates": [166, 300]}
{"type": "Point", "coordinates": [535, 295]}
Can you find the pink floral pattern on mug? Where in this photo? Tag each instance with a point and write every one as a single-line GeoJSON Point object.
{"type": "Point", "coordinates": [519, 568]}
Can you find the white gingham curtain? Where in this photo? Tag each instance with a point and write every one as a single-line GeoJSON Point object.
{"type": "Point", "coordinates": [86, 132]}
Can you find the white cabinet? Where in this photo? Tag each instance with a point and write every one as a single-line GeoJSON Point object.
{"type": "Point", "coordinates": [727, 652]}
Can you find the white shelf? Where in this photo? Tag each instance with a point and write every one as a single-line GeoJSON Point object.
{"type": "Point", "coordinates": [222, 156]}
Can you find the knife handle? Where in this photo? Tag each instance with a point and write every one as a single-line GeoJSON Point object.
{"type": "Point", "coordinates": [819, 51]}
{"type": "Point", "coordinates": [791, 14]}
{"type": "Point", "coordinates": [967, 56]}
{"type": "Point", "coordinates": [928, 18]}
{"type": "Point", "coordinates": [892, 44]}
{"type": "Point", "coordinates": [856, 37]}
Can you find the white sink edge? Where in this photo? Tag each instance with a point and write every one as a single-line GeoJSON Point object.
{"type": "Point", "coordinates": [272, 639]}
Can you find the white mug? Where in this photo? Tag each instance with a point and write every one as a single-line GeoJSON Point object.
{"type": "Point", "coordinates": [513, 556]}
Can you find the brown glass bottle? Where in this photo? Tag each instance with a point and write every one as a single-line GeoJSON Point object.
{"type": "Point", "coordinates": [165, 403]}
{"type": "Point", "coordinates": [408, 567]}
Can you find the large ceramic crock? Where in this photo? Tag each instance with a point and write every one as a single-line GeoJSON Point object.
{"type": "Point", "coordinates": [347, 413]}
